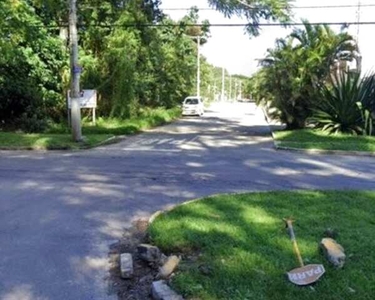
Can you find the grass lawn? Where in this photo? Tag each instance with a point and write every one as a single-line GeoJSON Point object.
{"type": "Point", "coordinates": [242, 244]}
{"type": "Point", "coordinates": [59, 137]}
{"type": "Point", "coordinates": [314, 139]}
{"type": "Point", "coordinates": [11, 141]}
{"type": "Point", "coordinates": [149, 118]}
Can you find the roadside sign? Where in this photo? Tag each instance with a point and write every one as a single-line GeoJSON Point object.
{"type": "Point", "coordinates": [306, 275]}
{"type": "Point", "coordinates": [88, 99]}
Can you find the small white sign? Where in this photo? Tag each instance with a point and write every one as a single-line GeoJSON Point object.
{"type": "Point", "coordinates": [88, 99]}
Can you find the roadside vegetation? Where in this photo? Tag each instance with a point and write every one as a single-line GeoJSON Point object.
{"type": "Point", "coordinates": [306, 82]}
{"type": "Point", "coordinates": [132, 63]}
{"type": "Point", "coordinates": [321, 140]}
{"type": "Point", "coordinates": [236, 246]}
{"type": "Point", "coordinates": [58, 136]}
{"type": "Point", "coordinates": [46, 141]}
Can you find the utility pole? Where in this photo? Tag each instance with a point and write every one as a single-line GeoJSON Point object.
{"type": "Point", "coordinates": [358, 13]}
{"type": "Point", "coordinates": [75, 73]}
{"type": "Point", "coordinates": [358, 57]}
{"type": "Point", "coordinates": [199, 68]}
{"type": "Point", "coordinates": [223, 85]}
{"type": "Point", "coordinates": [198, 63]}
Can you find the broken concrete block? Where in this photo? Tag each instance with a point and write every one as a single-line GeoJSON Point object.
{"type": "Point", "coordinates": [163, 259]}
{"type": "Point", "coordinates": [149, 253]}
{"type": "Point", "coordinates": [161, 291]}
{"type": "Point", "coordinates": [333, 251]}
{"type": "Point", "coordinates": [126, 265]}
{"type": "Point", "coordinates": [169, 266]}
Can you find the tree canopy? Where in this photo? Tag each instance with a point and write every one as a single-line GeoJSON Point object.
{"type": "Point", "coordinates": [130, 63]}
{"type": "Point", "coordinates": [297, 67]}
{"type": "Point", "coordinates": [255, 11]}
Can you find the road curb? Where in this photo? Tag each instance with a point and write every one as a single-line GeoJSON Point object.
{"type": "Point", "coordinates": [172, 207]}
{"type": "Point", "coordinates": [278, 146]}
{"type": "Point", "coordinates": [158, 213]}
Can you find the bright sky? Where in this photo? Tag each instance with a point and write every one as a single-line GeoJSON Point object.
{"type": "Point", "coordinates": [231, 48]}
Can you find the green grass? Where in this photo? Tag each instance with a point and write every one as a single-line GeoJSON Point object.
{"type": "Point", "coordinates": [315, 139]}
{"type": "Point", "coordinates": [59, 137]}
{"type": "Point", "coordinates": [23, 141]}
{"type": "Point", "coordinates": [149, 118]}
{"type": "Point", "coordinates": [242, 240]}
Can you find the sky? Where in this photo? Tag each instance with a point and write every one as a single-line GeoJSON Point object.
{"type": "Point", "coordinates": [232, 48]}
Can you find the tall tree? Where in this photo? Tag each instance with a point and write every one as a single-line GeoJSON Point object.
{"type": "Point", "coordinates": [297, 67]}
{"type": "Point", "coordinates": [255, 11]}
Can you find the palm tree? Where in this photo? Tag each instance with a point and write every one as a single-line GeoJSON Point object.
{"type": "Point", "coordinates": [299, 65]}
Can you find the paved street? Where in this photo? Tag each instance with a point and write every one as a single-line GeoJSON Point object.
{"type": "Point", "coordinates": [59, 211]}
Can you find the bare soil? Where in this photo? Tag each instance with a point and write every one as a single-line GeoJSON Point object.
{"type": "Point", "coordinates": [139, 287]}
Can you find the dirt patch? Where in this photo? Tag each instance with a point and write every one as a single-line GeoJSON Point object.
{"type": "Point", "coordinates": [139, 287]}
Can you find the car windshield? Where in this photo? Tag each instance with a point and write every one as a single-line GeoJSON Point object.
{"type": "Point", "coordinates": [191, 101]}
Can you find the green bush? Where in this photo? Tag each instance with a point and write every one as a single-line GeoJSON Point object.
{"type": "Point", "coordinates": [31, 59]}
{"type": "Point", "coordinates": [346, 105]}
{"type": "Point", "coordinates": [295, 69]}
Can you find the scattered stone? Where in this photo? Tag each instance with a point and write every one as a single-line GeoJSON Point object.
{"type": "Point", "coordinates": [331, 233]}
{"type": "Point", "coordinates": [161, 291]}
{"type": "Point", "coordinates": [141, 225]}
{"type": "Point", "coordinates": [350, 290]}
{"type": "Point", "coordinates": [149, 253]}
{"type": "Point", "coordinates": [333, 251]}
{"type": "Point", "coordinates": [126, 265]}
{"type": "Point", "coordinates": [169, 266]}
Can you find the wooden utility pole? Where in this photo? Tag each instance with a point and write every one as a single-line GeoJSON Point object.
{"type": "Point", "coordinates": [75, 70]}
{"type": "Point", "coordinates": [198, 63]}
{"type": "Point", "coordinates": [199, 68]}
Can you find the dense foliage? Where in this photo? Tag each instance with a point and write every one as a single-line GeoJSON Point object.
{"type": "Point", "coordinates": [255, 11]}
{"type": "Point", "coordinates": [295, 70]}
{"type": "Point", "coordinates": [347, 105]}
{"type": "Point", "coordinates": [31, 64]}
{"type": "Point", "coordinates": [130, 63]}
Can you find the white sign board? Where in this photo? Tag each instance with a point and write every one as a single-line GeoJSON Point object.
{"type": "Point", "coordinates": [88, 99]}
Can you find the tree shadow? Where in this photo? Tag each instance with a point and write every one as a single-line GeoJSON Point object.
{"type": "Point", "coordinates": [243, 242]}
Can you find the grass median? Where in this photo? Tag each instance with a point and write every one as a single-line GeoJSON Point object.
{"type": "Point", "coordinates": [42, 141]}
{"type": "Point", "coordinates": [236, 246]}
{"type": "Point", "coordinates": [315, 139]}
{"type": "Point", "coordinates": [58, 136]}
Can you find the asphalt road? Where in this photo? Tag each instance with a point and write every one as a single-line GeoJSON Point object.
{"type": "Point", "coordinates": [60, 211]}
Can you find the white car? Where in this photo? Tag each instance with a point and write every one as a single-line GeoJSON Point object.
{"type": "Point", "coordinates": [192, 106]}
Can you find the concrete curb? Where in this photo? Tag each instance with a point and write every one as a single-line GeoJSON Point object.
{"type": "Point", "coordinates": [112, 140]}
{"type": "Point", "coordinates": [158, 213]}
{"type": "Point", "coordinates": [163, 211]}
{"type": "Point", "coordinates": [278, 146]}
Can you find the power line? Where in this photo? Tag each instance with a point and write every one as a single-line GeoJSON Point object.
{"type": "Point", "coordinates": [240, 24]}
{"type": "Point", "coordinates": [292, 7]}
{"type": "Point", "coordinates": [204, 25]}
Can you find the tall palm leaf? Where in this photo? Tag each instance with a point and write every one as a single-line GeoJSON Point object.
{"type": "Point", "coordinates": [346, 105]}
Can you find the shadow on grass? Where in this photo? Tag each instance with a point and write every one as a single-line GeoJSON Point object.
{"type": "Point", "coordinates": [21, 141]}
{"type": "Point", "coordinates": [116, 126]}
{"type": "Point", "coordinates": [315, 139]}
{"type": "Point", "coordinates": [242, 240]}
